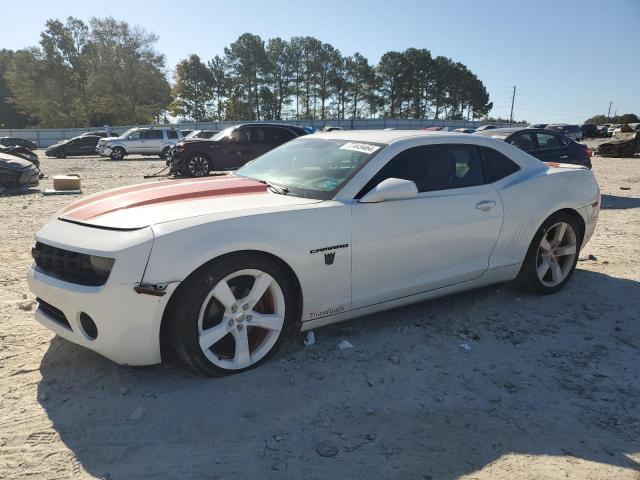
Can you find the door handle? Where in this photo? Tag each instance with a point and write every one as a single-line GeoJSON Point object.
{"type": "Point", "coordinates": [485, 205]}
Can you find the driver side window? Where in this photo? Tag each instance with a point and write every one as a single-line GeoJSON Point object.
{"type": "Point", "coordinates": [433, 168]}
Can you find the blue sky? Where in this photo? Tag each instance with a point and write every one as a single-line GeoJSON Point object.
{"type": "Point", "coordinates": [568, 58]}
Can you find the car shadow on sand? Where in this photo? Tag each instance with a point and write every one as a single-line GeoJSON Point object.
{"type": "Point", "coordinates": [435, 390]}
{"type": "Point", "coordinates": [614, 202]}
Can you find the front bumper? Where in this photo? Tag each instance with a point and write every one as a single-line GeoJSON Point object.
{"type": "Point", "coordinates": [128, 323]}
{"type": "Point", "coordinates": [103, 150]}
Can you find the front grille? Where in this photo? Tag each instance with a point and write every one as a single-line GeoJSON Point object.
{"type": "Point", "coordinates": [71, 266]}
{"type": "Point", "coordinates": [53, 313]}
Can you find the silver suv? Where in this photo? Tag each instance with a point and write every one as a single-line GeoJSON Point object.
{"type": "Point", "coordinates": [140, 141]}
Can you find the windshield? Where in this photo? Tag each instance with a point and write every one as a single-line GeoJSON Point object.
{"type": "Point", "coordinates": [222, 134]}
{"type": "Point", "coordinates": [311, 167]}
{"type": "Point", "coordinates": [193, 134]}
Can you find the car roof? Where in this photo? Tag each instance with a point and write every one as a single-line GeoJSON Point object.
{"type": "Point", "coordinates": [386, 136]}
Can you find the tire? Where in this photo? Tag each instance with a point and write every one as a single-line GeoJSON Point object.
{"type": "Point", "coordinates": [165, 152]}
{"type": "Point", "coordinates": [197, 165]}
{"type": "Point", "coordinates": [118, 153]}
{"type": "Point", "coordinates": [198, 316]}
{"type": "Point", "coordinates": [547, 269]}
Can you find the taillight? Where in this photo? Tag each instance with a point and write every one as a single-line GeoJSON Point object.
{"type": "Point", "coordinates": [589, 152]}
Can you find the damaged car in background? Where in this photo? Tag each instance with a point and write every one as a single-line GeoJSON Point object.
{"type": "Point", "coordinates": [17, 172]}
{"type": "Point", "coordinates": [22, 152]}
{"type": "Point", "coordinates": [625, 143]}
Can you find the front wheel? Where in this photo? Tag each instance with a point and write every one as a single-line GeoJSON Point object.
{"type": "Point", "coordinates": [117, 153]}
{"type": "Point", "coordinates": [232, 314]}
{"type": "Point", "coordinates": [552, 255]}
{"type": "Point", "coordinates": [197, 165]}
{"type": "Point", "coordinates": [165, 152]}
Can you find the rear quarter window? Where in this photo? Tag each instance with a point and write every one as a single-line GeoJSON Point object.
{"type": "Point", "coordinates": [496, 165]}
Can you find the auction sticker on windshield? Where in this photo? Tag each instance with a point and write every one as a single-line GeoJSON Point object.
{"type": "Point", "coordinates": [360, 147]}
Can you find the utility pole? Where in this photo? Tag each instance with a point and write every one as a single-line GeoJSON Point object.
{"type": "Point", "coordinates": [609, 112]}
{"type": "Point", "coordinates": [513, 99]}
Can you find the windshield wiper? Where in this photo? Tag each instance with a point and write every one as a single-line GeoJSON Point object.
{"type": "Point", "coordinates": [279, 189]}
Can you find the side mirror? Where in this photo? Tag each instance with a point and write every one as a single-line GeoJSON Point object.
{"type": "Point", "coordinates": [391, 189]}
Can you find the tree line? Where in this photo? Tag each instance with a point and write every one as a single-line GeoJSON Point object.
{"type": "Point", "coordinates": [304, 78]}
{"type": "Point", "coordinates": [103, 72]}
{"type": "Point", "coordinates": [602, 119]}
{"type": "Point", "coordinates": [107, 72]}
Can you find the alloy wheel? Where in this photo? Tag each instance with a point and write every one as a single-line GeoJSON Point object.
{"type": "Point", "coordinates": [241, 319]}
{"type": "Point", "coordinates": [198, 166]}
{"type": "Point", "coordinates": [556, 254]}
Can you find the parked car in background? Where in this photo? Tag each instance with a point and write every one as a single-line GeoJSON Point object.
{"type": "Point", "coordinates": [538, 125]}
{"type": "Point", "coordinates": [589, 130]}
{"type": "Point", "coordinates": [464, 130]}
{"type": "Point", "coordinates": [319, 230]}
{"type": "Point", "coordinates": [77, 146]}
{"type": "Point", "coordinates": [140, 141]}
{"type": "Point", "coordinates": [574, 132]}
{"type": "Point", "coordinates": [22, 152]}
{"type": "Point", "coordinates": [18, 142]}
{"type": "Point", "coordinates": [201, 134]}
{"type": "Point", "coordinates": [16, 172]}
{"type": "Point", "coordinates": [485, 127]}
{"type": "Point", "coordinates": [229, 149]}
{"type": "Point", "coordinates": [101, 133]}
{"type": "Point", "coordinates": [612, 128]}
{"type": "Point", "coordinates": [545, 145]}
{"type": "Point", "coordinates": [331, 128]}
{"type": "Point", "coordinates": [603, 131]}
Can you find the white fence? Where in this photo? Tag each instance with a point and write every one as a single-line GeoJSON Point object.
{"type": "Point", "coordinates": [45, 137]}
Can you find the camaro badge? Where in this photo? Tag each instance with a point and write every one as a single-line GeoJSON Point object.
{"type": "Point", "coordinates": [330, 256]}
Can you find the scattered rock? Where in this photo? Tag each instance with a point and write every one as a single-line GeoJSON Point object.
{"type": "Point", "coordinates": [625, 188]}
{"type": "Point", "coordinates": [124, 391]}
{"type": "Point", "coordinates": [344, 344]}
{"type": "Point", "coordinates": [311, 339]}
{"type": "Point", "coordinates": [326, 450]}
{"type": "Point", "coordinates": [138, 414]}
{"type": "Point", "coordinates": [26, 306]}
{"type": "Point", "coordinates": [24, 296]}
{"type": "Point", "coordinates": [465, 346]}
{"type": "Point", "coordinates": [592, 257]}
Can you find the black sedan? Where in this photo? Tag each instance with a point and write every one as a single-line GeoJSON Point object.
{"type": "Point", "coordinates": [82, 145]}
{"type": "Point", "coordinates": [229, 149]}
{"type": "Point", "coordinates": [18, 142]}
{"type": "Point", "coordinates": [545, 145]}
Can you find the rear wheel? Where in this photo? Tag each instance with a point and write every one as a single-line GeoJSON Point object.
{"type": "Point", "coordinates": [233, 314]}
{"type": "Point", "coordinates": [553, 254]}
{"type": "Point", "coordinates": [197, 165]}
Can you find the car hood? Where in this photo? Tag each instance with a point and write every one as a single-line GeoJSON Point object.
{"type": "Point", "coordinates": [139, 206]}
{"type": "Point", "coordinates": [13, 163]}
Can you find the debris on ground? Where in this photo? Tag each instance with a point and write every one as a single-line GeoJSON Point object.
{"type": "Point", "coordinates": [344, 344]}
{"type": "Point", "coordinates": [310, 339]}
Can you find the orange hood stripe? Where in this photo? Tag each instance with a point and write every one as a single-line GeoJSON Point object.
{"type": "Point", "coordinates": [157, 193]}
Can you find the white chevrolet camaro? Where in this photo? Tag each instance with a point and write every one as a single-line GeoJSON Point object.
{"type": "Point", "coordinates": [324, 228]}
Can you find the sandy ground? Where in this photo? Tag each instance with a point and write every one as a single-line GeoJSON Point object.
{"type": "Point", "coordinates": [548, 389]}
